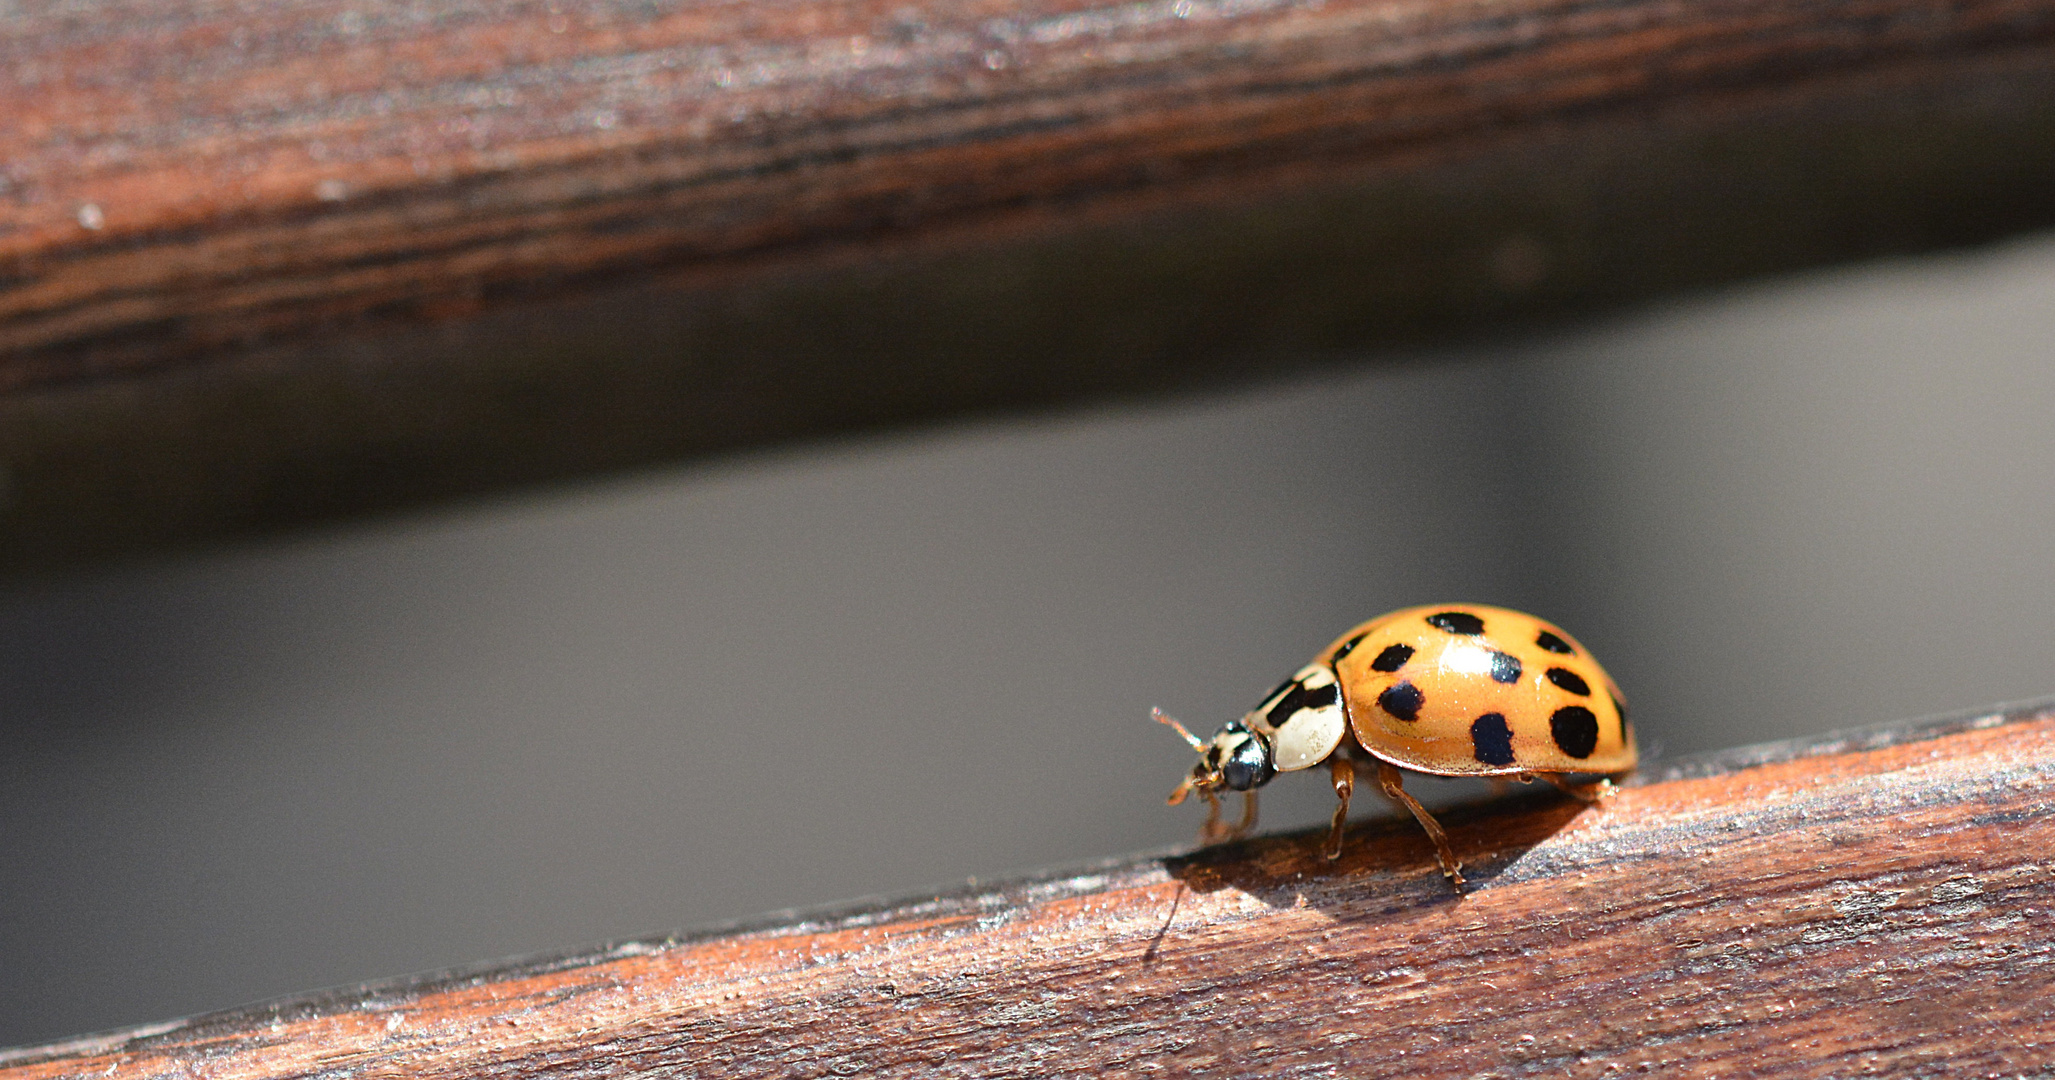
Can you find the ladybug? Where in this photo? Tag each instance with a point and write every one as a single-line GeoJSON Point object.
{"type": "Point", "coordinates": [1447, 689]}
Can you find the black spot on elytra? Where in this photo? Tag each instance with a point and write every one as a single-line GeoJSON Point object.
{"type": "Point", "coordinates": [1403, 700]}
{"type": "Point", "coordinates": [1392, 658]}
{"type": "Point", "coordinates": [1456, 622]}
{"type": "Point", "coordinates": [1569, 680]}
{"type": "Point", "coordinates": [1348, 647]}
{"type": "Point", "coordinates": [1554, 644]}
{"type": "Point", "coordinates": [1621, 708]}
{"type": "Point", "coordinates": [1505, 668]}
{"type": "Point", "coordinates": [1297, 698]}
{"type": "Point", "coordinates": [1491, 741]}
{"type": "Point", "coordinates": [1575, 729]}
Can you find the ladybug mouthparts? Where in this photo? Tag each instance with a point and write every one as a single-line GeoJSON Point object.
{"type": "Point", "coordinates": [1241, 757]}
{"type": "Point", "coordinates": [1237, 758]}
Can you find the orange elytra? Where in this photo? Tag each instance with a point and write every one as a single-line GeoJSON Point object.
{"type": "Point", "coordinates": [1447, 689]}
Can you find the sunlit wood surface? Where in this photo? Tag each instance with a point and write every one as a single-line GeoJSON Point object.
{"type": "Point", "coordinates": [1873, 904]}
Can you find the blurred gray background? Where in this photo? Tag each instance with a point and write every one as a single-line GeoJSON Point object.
{"type": "Point", "coordinates": [879, 665]}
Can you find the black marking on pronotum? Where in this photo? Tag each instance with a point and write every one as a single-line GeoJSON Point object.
{"type": "Point", "coordinates": [1491, 741]}
{"type": "Point", "coordinates": [1569, 680]}
{"type": "Point", "coordinates": [1299, 697]}
{"type": "Point", "coordinates": [1348, 647]}
{"type": "Point", "coordinates": [1457, 622]}
{"type": "Point", "coordinates": [1403, 700]}
{"type": "Point", "coordinates": [1505, 668]}
{"type": "Point", "coordinates": [1554, 644]}
{"type": "Point", "coordinates": [1575, 729]}
{"type": "Point", "coordinates": [1392, 658]}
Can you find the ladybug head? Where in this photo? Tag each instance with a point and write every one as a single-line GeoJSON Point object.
{"type": "Point", "coordinates": [1237, 758]}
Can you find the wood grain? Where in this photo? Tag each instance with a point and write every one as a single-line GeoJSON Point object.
{"type": "Point", "coordinates": [263, 266]}
{"type": "Point", "coordinates": [183, 177]}
{"type": "Point", "coordinates": [1870, 904]}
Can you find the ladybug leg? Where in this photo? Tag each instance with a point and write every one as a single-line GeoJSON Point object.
{"type": "Point", "coordinates": [1585, 793]}
{"type": "Point", "coordinates": [1212, 832]}
{"type": "Point", "coordinates": [1344, 772]}
{"type": "Point", "coordinates": [1390, 779]}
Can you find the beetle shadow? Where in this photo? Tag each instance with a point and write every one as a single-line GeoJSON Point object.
{"type": "Point", "coordinates": [1387, 867]}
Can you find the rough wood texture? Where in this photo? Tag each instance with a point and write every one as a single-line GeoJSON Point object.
{"type": "Point", "coordinates": [179, 176]}
{"type": "Point", "coordinates": [275, 264]}
{"type": "Point", "coordinates": [1871, 904]}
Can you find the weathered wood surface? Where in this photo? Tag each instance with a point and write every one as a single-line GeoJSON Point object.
{"type": "Point", "coordinates": [264, 265]}
{"type": "Point", "coordinates": [1872, 904]}
{"type": "Point", "coordinates": [183, 175]}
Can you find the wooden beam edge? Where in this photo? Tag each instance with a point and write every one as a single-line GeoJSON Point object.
{"type": "Point", "coordinates": [1218, 278]}
{"type": "Point", "coordinates": [960, 907]}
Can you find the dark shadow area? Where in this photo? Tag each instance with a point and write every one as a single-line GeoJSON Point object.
{"type": "Point", "coordinates": [581, 379]}
{"type": "Point", "coordinates": [1387, 867]}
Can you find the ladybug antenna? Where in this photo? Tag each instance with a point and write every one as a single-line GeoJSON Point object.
{"type": "Point", "coordinates": [1165, 718]}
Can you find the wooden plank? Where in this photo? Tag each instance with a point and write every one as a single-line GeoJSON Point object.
{"type": "Point", "coordinates": [271, 266]}
{"type": "Point", "coordinates": [182, 176]}
{"type": "Point", "coordinates": [1869, 904]}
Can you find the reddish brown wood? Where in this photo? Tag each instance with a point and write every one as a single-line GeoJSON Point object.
{"type": "Point", "coordinates": [182, 176]}
{"type": "Point", "coordinates": [1873, 904]}
{"type": "Point", "coordinates": [262, 265]}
